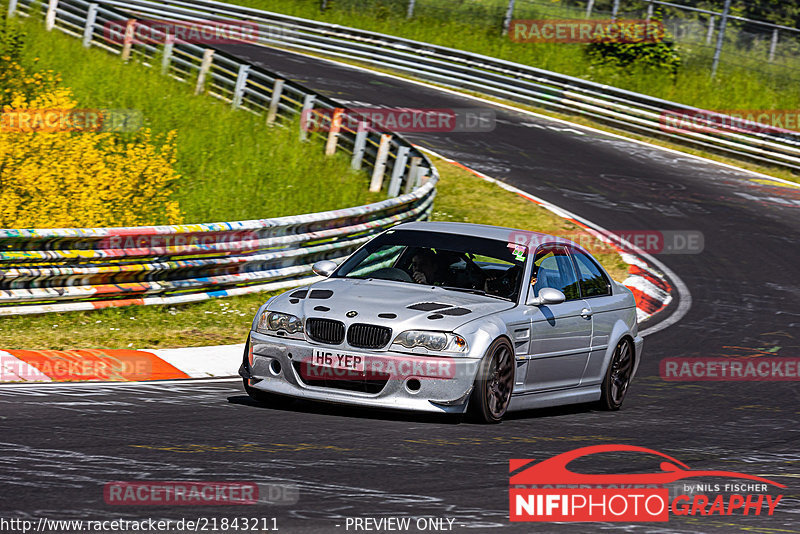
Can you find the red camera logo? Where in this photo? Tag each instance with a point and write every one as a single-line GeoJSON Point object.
{"type": "Point", "coordinates": [550, 491]}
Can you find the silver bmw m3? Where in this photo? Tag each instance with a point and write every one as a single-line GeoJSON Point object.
{"type": "Point", "coordinates": [450, 318]}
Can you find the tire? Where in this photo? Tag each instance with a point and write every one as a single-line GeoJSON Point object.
{"type": "Point", "coordinates": [618, 376]}
{"type": "Point", "coordinates": [257, 395]}
{"type": "Point", "coordinates": [494, 384]}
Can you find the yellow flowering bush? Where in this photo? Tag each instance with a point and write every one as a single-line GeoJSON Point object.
{"type": "Point", "coordinates": [54, 179]}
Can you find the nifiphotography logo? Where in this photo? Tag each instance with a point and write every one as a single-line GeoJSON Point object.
{"type": "Point", "coordinates": [549, 491]}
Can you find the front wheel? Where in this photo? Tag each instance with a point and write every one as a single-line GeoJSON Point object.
{"type": "Point", "coordinates": [618, 376]}
{"type": "Point", "coordinates": [491, 394]}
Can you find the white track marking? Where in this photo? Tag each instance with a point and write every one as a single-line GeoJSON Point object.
{"type": "Point", "coordinates": [149, 383]}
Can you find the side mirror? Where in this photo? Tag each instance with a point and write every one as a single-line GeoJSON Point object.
{"type": "Point", "coordinates": [324, 268]}
{"type": "Point", "coordinates": [547, 295]}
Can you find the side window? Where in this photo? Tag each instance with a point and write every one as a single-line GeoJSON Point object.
{"type": "Point", "coordinates": [593, 282]}
{"type": "Point", "coordinates": [553, 268]}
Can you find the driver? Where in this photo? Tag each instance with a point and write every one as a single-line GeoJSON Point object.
{"type": "Point", "coordinates": [425, 267]}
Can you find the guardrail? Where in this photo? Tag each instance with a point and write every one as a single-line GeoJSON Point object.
{"type": "Point", "coordinates": [625, 110]}
{"type": "Point", "coordinates": [51, 270]}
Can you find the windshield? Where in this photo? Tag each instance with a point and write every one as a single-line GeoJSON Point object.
{"type": "Point", "coordinates": [456, 262]}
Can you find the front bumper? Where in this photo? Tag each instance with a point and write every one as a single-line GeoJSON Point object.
{"type": "Point", "coordinates": [409, 386]}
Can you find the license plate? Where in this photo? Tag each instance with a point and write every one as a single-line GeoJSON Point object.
{"type": "Point", "coordinates": [338, 360]}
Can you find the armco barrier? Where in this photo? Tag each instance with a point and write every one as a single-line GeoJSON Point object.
{"type": "Point", "coordinates": [632, 112]}
{"type": "Point", "coordinates": [46, 270]}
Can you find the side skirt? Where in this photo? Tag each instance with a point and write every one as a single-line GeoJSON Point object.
{"type": "Point", "coordinates": [527, 401]}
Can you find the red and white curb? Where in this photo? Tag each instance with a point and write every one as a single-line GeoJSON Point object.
{"type": "Point", "coordinates": [649, 286]}
{"type": "Point", "coordinates": [119, 365]}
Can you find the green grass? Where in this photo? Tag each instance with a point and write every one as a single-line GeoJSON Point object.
{"type": "Point", "coordinates": [744, 80]}
{"type": "Point", "coordinates": [462, 198]}
{"type": "Point", "coordinates": [233, 165]}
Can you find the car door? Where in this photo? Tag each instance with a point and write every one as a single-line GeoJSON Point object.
{"type": "Point", "coordinates": [604, 307]}
{"type": "Point", "coordinates": [560, 333]}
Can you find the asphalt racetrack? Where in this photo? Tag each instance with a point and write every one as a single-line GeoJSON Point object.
{"type": "Point", "coordinates": [62, 443]}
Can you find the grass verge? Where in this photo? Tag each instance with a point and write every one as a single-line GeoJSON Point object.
{"type": "Point", "coordinates": [462, 197]}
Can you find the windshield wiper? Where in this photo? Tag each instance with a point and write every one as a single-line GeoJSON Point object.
{"type": "Point", "coordinates": [475, 292]}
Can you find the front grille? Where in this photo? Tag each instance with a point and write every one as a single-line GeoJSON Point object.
{"type": "Point", "coordinates": [325, 331]}
{"type": "Point", "coordinates": [321, 377]}
{"type": "Point", "coordinates": [368, 336]}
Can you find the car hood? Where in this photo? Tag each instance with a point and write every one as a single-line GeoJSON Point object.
{"type": "Point", "coordinates": [398, 305]}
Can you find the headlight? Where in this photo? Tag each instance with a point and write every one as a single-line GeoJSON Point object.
{"type": "Point", "coordinates": [275, 321]}
{"type": "Point", "coordinates": [435, 341]}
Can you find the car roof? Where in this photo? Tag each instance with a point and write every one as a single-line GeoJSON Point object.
{"type": "Point", "coordinates": [478, 230]}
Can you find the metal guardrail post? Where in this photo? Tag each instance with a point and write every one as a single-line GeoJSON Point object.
{"type": "Point", "coordinates": [380, 164]}
{"type": "Point", "coordinates": [50, 18]}
{"type": "Point", "coordinates": [241, 83]}
{"type": "Point", "coordinates": [589, 8]}
{"type": "Point", "coordinates": [650, 10]}
{"type": "Point", "coordinates": [773, 45]}
{"type": "Point", "coordinates": [333, 133]}
{"type": "Point", "coordinates": [205, 66]}
{"type": "Point", "coordinates": [710, 34]}
{"type": "Point", "coordinates": [127, 43]}
{"type": "Point", "coordinates": [166, 58]}
{"type": "Point", "coordinates": [720, 37]}
{"type": "Point", "coordinates": [413, 169]}
{"type": "Point", "coordinates": [274, 101]}
{"type": "Point", "coordinates": [88, 29]}
{"type": "Point", "coordinates": [422, 176]}
{"type": "Point", "coordinates": [509, 16]}
{"type": "Point", "coordinates": [397, 171]}
{"type": "Point", "coordinates": [410, 10]}
{"type": "Point", "coordinates": [12, 8]}
{"type": "Point", "coordinates": [359, 146]}
{"type": "Point", "coordinates": [615, 10]}
{"type": "Point", "coordinates": [307, 120]}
